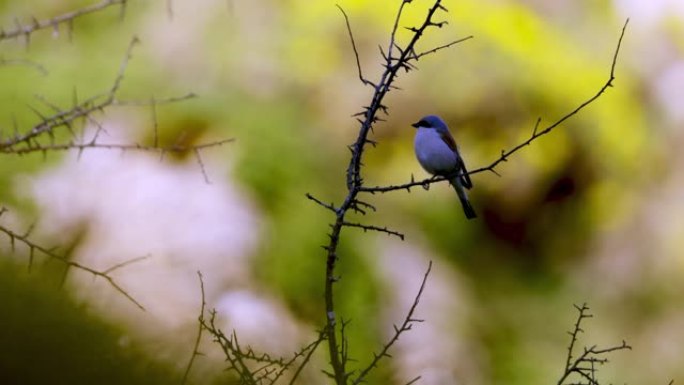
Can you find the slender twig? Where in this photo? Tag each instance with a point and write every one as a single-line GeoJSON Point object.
{"type": "Point", "coordinates": [361, 207]}
{"type": "Point", "coordinates": [200, 329]}
{"type": "Point", "coordinates": [147, 102]}
{"type": "Point", "coordinates": [82, 110]}
{"type": "Point", "coordinates": [243, 360]}
{"type": "Point", "coordinates": [392, 65]}
{"type": "Point", "coordinates": [104, 274]}
{"type": "Point", "coordinates": [328, 206]}
{"type": "Point", "coordinates": [27, 142]}
{"type": "Point", "coordinates": [356, 52]}
{"type": "Point", "coordinates": [27, 29]}
{"type": "Point", "coordinates": [406, 325]}
{"type": "Point", "coordinates": [25, 63]}
{"type": "Point", "coordinates": [310, 349]}
{"type": "Point", "coordinates": [374, 228]}
{"type": "Point", "coordinates": [441, 47]}
{"type": "Point", "coordinates": [125, 263]}
{"type": "Point", "coordinates": [585, 364]}
{"type": "Point", "coordinates": [70, 146]}
{"type": "Point", "coordinates": [536, 133]}
{"type": "Point", "coordinates": [200, 162]}
{"type": "Point", "coordinates": [271, 369]}
{"type": "Point", "coordinates": [582, 314]}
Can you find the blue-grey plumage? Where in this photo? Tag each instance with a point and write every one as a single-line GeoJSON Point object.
{"type": "Point", "coordinates": [438, 154]}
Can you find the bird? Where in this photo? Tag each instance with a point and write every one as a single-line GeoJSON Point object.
{"type": "Point", "coordinates": [438, 154]}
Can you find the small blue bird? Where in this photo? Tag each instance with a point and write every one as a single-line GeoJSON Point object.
{"type": "Point", "coordinates": [437, 153]}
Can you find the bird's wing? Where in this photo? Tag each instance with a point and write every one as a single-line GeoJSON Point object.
{"type": "Point", "coordinates": [460, 167]}
{"type": "Point", "coordinates": [465, 178]}
{"type": "Point", "coordinates": [449, 140]}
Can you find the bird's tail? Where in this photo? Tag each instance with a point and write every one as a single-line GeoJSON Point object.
{"type": "Point", "coordinates": [463, 197]}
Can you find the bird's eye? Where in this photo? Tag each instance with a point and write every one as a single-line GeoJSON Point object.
{"type": "Point", "coordinates": [423, 123]}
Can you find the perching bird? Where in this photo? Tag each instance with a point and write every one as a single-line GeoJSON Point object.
{"type": "Point", "coordinates": [437, 152]}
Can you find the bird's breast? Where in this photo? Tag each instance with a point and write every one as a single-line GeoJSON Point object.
{"type": "Point", "coordinates": [433, 154]}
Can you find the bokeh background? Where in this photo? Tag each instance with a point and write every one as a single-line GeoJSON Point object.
{"type": "Point", "coordinates": [590, 213]}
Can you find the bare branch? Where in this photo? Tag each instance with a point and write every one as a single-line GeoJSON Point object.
{"type": "Point", "coordinates": [122, 68]}
{"type": "Point", "coordinates": [25, 63]}
{"type": "Point", "coordinates": [361, 207]}
{"type": "Point", "coordinates": [70, 146]}
{"type": "Point", "coordinates": [405, 186]}
{"type": "Point", "coordinates": [326, 205]}
{"type": "Point", "coordinates": [68, 18]}
{"type": "Point", "coordinates": [398, 331]}
{"type": "Point", "coordinates": [258, 368]}
{"type": "Point", "coordinates": [27, 143]}
{"type": "Point", "coordinates": [396, 57]}
{"type": "Point", "coordinates": [310, 349]}
{"type": "Point", "coordinates": [104, 274]}
{"type": "Point", "coordinates": [356, 52]}
{"type": "Point", "coordinates": [536, 133]}
{"type": "Point", "coordinates": [374, 228]}
{"type": "Point", "coordinates": [200, 329]}
{"type": "Point", "coordinates": [82, 110]}
{"type": "Point", "coordinates": [441, 47]}
{"type": "Point", "coordinates": [125, 263]}
{"type": "Point", "coordinates": [148, 102]}
{"type": "Point", "coordinates": [393, 65]}
{"type": "Point", "coordinates": [584, 365]}
{"type": "Point", "coordinates": [200, 162]}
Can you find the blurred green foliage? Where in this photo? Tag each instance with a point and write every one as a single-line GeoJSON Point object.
{"type": "Point", "coordinates": [48, 339]}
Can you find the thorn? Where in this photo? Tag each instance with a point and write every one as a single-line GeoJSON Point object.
{"type": "Point", "coordinates": [536, 126]}
{"type": "Point", "coordinates": [382, 52]}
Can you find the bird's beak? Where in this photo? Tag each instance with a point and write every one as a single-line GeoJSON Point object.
{"type": "Point", "coordinates": [416, 125]}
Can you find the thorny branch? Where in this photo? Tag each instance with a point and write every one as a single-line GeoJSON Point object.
{"type": "Point", "coordinates": [200, 329]}
{"type": "Point", "coordinates": [26, 30]}
{"type": "Point", "coordinates": [536, 133]}
{"type": "Point", "coordinates": [374, 228]}
{"type": "Point", "coordinates": [34, 249]}
{"type": "Point", "coordinates": [69, 146]}
{"type": "Point", "coordinates": [585, 364]}
{"type": "Point", "coordinates": [30, 141]}
{"type": "Point", "coordinates": [42, 136]}
{"type": "Point", "coordinates": [69, 117]}
{"type": "Point", "coordinates": [249, 366]}
{"type": "Point", "coordinates": [395, 57]}
{"type": "Point", "coordinates": [406, 325]}
{"type": "Point", "coordinates": [258, 368]}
